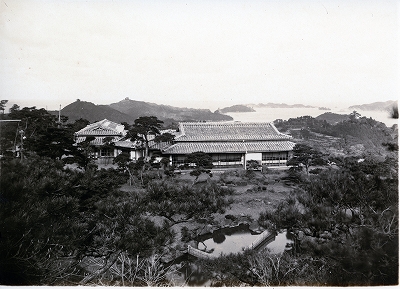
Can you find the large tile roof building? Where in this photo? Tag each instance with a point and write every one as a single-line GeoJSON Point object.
{"type": "Point", "coordinates": [232, 143]}
{"type": "Point", "coordinates": [229, 143]}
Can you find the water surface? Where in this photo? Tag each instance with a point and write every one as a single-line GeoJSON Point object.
{"type": "Point", "coordinates": [237, 239]}
{"type": "Point", "coordinates": [271, 114]}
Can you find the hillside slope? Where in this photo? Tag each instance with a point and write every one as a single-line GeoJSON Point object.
{"type": "Point", "coordinates": [362, 135]}
{"type": "Point", "coordinates": [91, 112]}
{"type": "Point", "coordinates": [236, 108]}
{"type": "Point", "coordinates": [382, 106]}
{"type": "Point", "coordinates": [332, 118]}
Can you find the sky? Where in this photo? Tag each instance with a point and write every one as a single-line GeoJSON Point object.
{"type": "Point", "coordinates": [200, 54]}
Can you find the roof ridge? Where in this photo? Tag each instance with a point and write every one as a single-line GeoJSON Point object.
{"type": "Point", "coordinates": [220, 123]}
{"type": "Point", "coordinates": [181, 131]}
{"type": "Point", "coordinates": [278, 132]}
{"type": "Point", "coordinates": [106, 125]}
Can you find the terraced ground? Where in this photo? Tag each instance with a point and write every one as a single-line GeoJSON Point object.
{"type": "Point", "coordinates": [250, 198]}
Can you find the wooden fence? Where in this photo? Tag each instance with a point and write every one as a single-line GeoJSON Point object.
{"type": "Point", "coordinates": [261, 239]}
{"type": "Point", "coordinates": [264, 237]}
{"type": "Point", "coordinates": [198, 253]}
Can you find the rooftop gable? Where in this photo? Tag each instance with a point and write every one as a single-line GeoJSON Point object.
{"type": "Point", "coordinates": [228, 131]}
{"type": "Point", "coordinates": [104, 127]}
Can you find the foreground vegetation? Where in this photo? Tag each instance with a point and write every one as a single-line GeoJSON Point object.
{"type": "Point", "coordinates": [345, 222]}
{"type": "Point", "coordinates": [64, 224]}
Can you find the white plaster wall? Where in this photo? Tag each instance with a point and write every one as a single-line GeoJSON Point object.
{"type": "Point", "coordinates": [254, 156]}
{"type": "Point", "coordinates": [135, 155]}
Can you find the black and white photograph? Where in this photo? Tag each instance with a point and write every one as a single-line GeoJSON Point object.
{"type": "Point", "coordinates": [206, 143]}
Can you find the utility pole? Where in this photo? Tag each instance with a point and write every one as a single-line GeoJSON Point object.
{"type": "Point", "coordinates": [22, 133]}
{"type": "Point", "coordinates": [59, 115]}
{"type": "Point", "coordinates": [244, 156]}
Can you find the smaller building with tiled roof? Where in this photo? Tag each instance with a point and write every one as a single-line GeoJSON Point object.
{"type": "Point", "coordinates": [231, 143]}
{"type": "Point", "coordinates": [105, 131]}
{"type": "Point", "coordinates": [100, 130]}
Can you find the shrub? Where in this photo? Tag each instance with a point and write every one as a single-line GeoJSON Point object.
{"type": "Point", "coordinates": [185, 234]}
{"type": "Point", "coordinates": [230, 217]}
{"type": "Point", "coordinates": [316, 171]}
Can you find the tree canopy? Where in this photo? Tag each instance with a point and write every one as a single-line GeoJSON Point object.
{"type": "Point", "coordinates": [3, 105]}
{"type": "Point", "coordinates": [201, 160]}
{"type": "Point", "coordinates": [144, 129]}
{"type": "Point", "coordinates": [202, 163]}
{"type": "Point", "coordinates": [54, 221]}
{"type": "Point", "coordinates": [304, 155]}
{"type": "Point", "coordinates": [348, 215]}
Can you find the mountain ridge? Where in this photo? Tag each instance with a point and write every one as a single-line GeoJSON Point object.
{"type": "Point", "coordinates": [137, 108]}
{"type": "Point", "coordinates": [374, 106]}
{"type": "Point", "coordinates": [128, 110]}
{"type": "Point", "coordinates": [280, 105]}
{"type": "Point", "coordinates": [92, 112]}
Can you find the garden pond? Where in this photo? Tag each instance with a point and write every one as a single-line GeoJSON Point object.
{"type": "Point", "coordinates": [225, 241]}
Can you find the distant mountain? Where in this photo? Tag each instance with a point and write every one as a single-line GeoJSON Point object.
{"type": "Point", "coordinates": [236, 108]}
{"type": "Point", "coordinates": [92, 112]}
{"type": "Point", "coordinates": [136, 109]}
{"type": "Point", "coordinates": [380, 106]}
{"type": "Point", "coordinates": [281, 105]}
{"type": "Point", "coordinates": [333, 118]}
{"type": "Point", "coordinates": [128, 110]}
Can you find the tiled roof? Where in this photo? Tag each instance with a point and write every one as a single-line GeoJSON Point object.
{"type": "Point", "coordinates": [125, 144]}
{"type": "Point", "coordinates": [97, 141]}
{"type": "Point", "coordinates": [228, 131]}
{"type": "Point", "coordinates": [102, 128]}
{"type": "Point", "coordinates": [158, 146]}
{"type": "Point", "coordinates": [230, 147]}
{"type": "Point", "coordinates": [161, 145]}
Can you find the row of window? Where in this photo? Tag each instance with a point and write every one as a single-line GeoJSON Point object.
{"type": "Point", "coordinates": [178, 160]}
{"type": "Point", "coordinates": [106, 153]}
{"type": "Point", "coordinates": [275, 156]}
{"type": "Point", "coordinates": [103, 153]}
{"type": "Point", "coordinates": [275, 164]}
{"type": "Point", "coordinates": [227, 157]}
{"type": "Point", "coordinates": [267, 158]}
